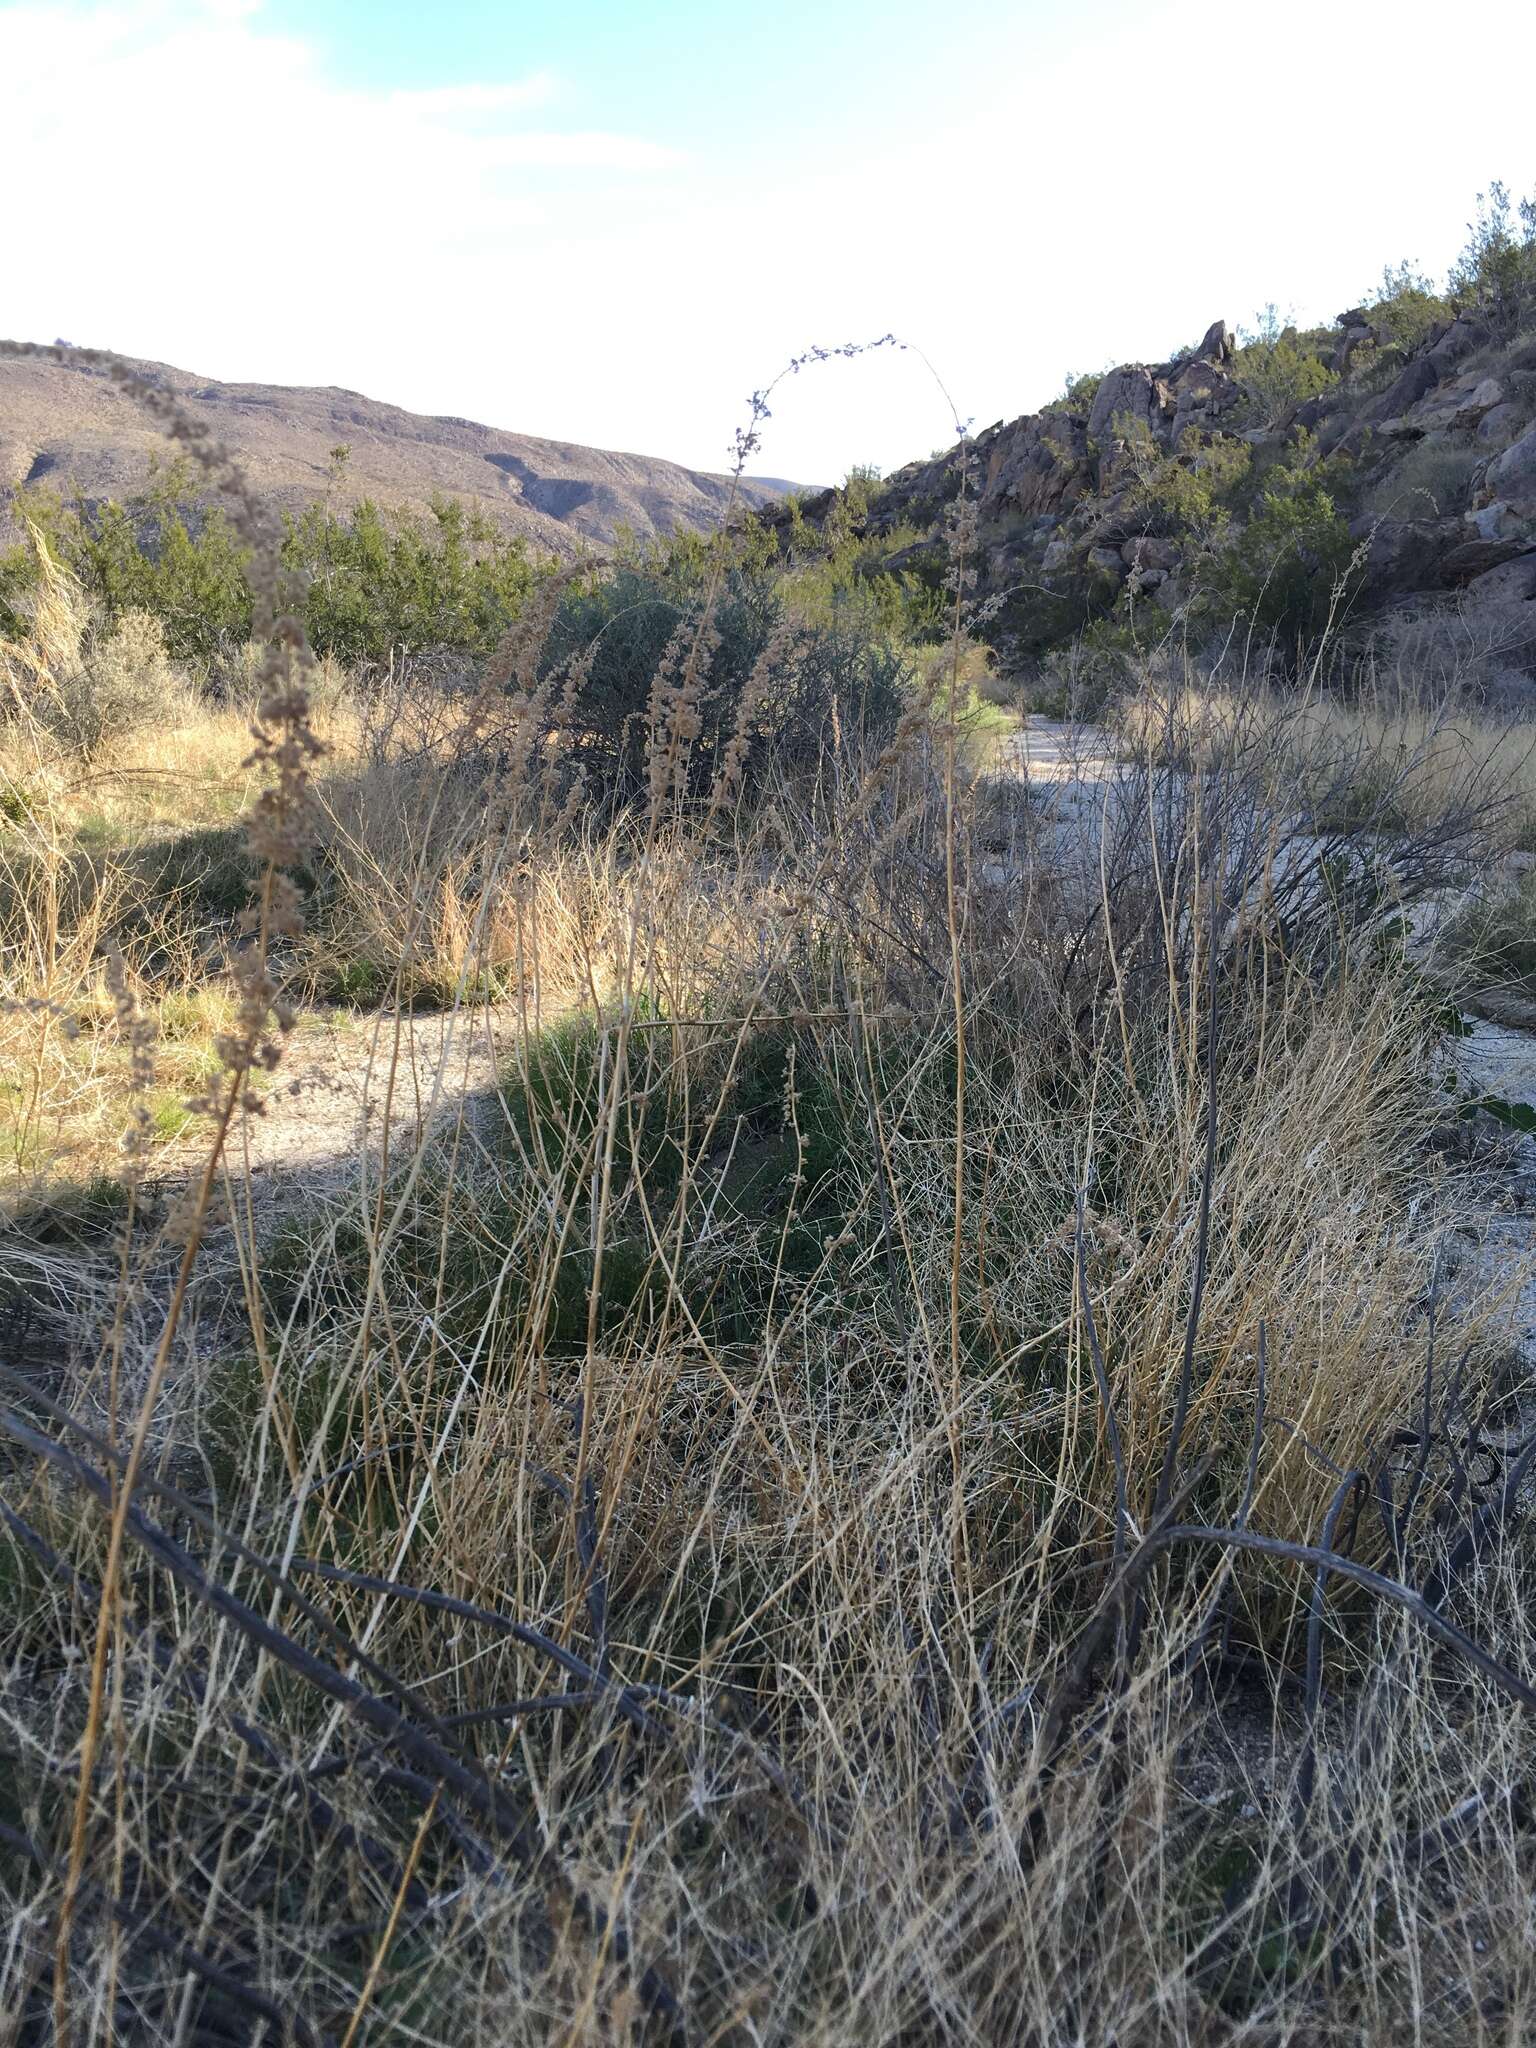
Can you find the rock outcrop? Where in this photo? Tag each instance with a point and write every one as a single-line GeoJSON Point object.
{"type": "Point", "coordinates": [1429, 456]}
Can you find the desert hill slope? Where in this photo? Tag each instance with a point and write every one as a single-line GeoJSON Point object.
{"type": "Point", "coordinates": [66, 425]}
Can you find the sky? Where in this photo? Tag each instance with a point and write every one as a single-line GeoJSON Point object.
{"type": "Point", "coordinates": [611, 221]}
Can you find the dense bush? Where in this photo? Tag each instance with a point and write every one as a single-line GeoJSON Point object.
{"type": "Point", "coordinates": [83, 679]}
{"type": "Point", "coordinates": [765, 682]}
{"type": "Point", "coordinates": [888, 581]}
{"type": "Point", "coordinates": [1186, 492]}
{"type": "Point", "coordinates": [1281, 367]}
{"type": "Point", "coordinates": [375, 585]}
{"type": "Point", "coordinates": [1281, 572]}
{"type": "Point", "coordinates": [1079, 391]}
{"type": "Point", "coordinates": [1495, 275]}
{"type": "Point", "coordinates": [1407, 306]}
{"type": "Point", "coordinates": [367, 583]}
{"type": "Point", "coordinates": [121, 682]}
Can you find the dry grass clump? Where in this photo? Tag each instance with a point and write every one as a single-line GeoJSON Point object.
{"type": "Point", "coordinates": [1386, 759]}
{"type": "Point", "coordinates": [919, 1469]}
{"type": "Point", "coordinates": [1491, 937]}
{"type": "Point", "coordinates": [80, 684]}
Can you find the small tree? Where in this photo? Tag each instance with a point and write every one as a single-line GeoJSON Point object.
{"type": "Point", "coordinates": [1496, 271]}
{"type": "Point", "coordinates": [1283, 570]}
{"type": "Point", "coordinates": [1406, 305]}
{"type": "Point", "coordinates": [1279, 366]}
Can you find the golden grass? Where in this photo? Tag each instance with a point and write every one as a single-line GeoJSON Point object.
{"type": "Point", "coordinates": [741, 1343]}
{"type": "Point", "coordinates": [1375, 757]}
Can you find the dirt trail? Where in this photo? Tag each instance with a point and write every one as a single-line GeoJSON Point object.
{"type": "Point", "coordinates": [347, 1076]}
{"type": "Point", "coordinates": [348, 1079]}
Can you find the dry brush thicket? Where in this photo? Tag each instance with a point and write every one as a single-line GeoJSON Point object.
{"type": "Point", "coordinates": [930, 1464]}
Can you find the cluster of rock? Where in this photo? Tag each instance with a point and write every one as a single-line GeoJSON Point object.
{"type": "Point", "coordinates": [1056, 492]}
{"type": "Point", "coordinates": [1446, 396]}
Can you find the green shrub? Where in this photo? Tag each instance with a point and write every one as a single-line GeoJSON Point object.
{"type": "Point", "coordinates": [1079, 392]}
{"type": "Point", "coordinates": [1281, 572]}
{"type": "Point", "coordinates": [18, 578]}
{"type": "Point", "coordinates": [1407, 306]}
{"type": "Point", "coordinates": [367, 584]}
{"type": "Point", "coordinates": [610, 638]}
{"type": "Point", "coordinates": [1281, 367]}
{"type": "Point", "coordinates": [1495, 274]}
{"type": "Point", "coordinates": [837, 573]}
{"type": "Point", "coordinates": [154, 556]}
{"type": "Point", "coordinates": [376, 585]}
{"type": "Point", "coordinates": [1187, 492]}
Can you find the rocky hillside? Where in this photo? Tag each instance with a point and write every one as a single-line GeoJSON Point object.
{"type": "Point", "coordinates": [1378, 471]}
{"type": "Point", "coordinates": [66, 425]}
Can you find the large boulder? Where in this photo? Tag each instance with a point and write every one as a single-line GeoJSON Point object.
{"type": "Point", "coordinates": [1506, 510]}
{"type": "Point", "coordinates": [1513, 474]}
{"type": "Point", "coordinates": [1038, 467]}
{"type": "Point", "coordinates": [1217, 345]}
{"type": "Point", "coordinates": [1405, 554]}
{"type": "Point", "coordinates": [1203, 391]}
{"type": "Point", "coordinates": [1461, 339]}
{"type": "Point", "coordinates": [1415, 381]}
{"type": "Point", "coordinates": [1475, 556]}
{"type": "Point", "coordinates": [1499, 611]}
{"type": "Point", "coordinates": [1500, 426]}
{"type": "Point", "coordinates": [1355, 330]}
{"type": "Point", "coordinates": [1128, 394]}
{"type": "Point", "coordinates": [1513, 583]}
{"type": "Point", "coordinates": [1107, 561]}
{"type": "Point", "coordinates": [1145, 553]}
{"type": "Point", "coordinates": [1457, 406]}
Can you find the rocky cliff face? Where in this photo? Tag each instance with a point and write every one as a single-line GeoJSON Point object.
{"type": "Point", "coordinates": [1407, 478]}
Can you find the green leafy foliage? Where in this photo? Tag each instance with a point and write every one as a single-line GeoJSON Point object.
{"type": "Point", "coordinates": [612, 634]}
{"type": "Point", "coordinates": [1079, 392]}
{"type": "Point", "coordinates": [1188, 491]}
{"type": "Point", "coordinates": [1282, 366]}
{"type": "Point", "coordinates": [368, 583]}
{"type": "Point", "coordinates": [887, 582]}
{"type": "Point", "coordinates": [1514, 1116]}
{"type": "Point", "coordinates": [1407, 306]}
{"type": "Point", "coordinates": [377, 584]}
{"type": "Point", "coordinates": [1495, 274]}
{"type": "Point", "coordinates": [1282, 571]}
{"type": "Point", "coordinates": [18, 577]}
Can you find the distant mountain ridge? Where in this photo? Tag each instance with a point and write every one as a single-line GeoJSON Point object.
{"type": "Point", "coordinates": [66, 424]}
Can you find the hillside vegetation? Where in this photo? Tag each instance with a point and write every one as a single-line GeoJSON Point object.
{"type": "Point", "coordinates": [934, 1452]}
{"type": "Point", "coordinates": [1372, 482]}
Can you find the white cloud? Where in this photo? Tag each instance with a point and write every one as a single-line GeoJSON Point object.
{"type": "Point", "coordinates": [579, 151]}
{"type": "Point", "coordinates": [184, 182]}
{"type": "Point", "coordinates": [453, 102]}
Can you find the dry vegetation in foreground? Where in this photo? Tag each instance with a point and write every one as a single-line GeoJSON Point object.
{"type": "Point", "coordinates": [931, 1467]}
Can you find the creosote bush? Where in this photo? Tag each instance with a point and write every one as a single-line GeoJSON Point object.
{"type": "Point", "coordinates": [649, 663]}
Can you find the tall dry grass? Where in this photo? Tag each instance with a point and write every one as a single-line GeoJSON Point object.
{"type": "Point", "coordinates": [1380, 755]}
{"type": "Point", "coordinates": [779, 1521]}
